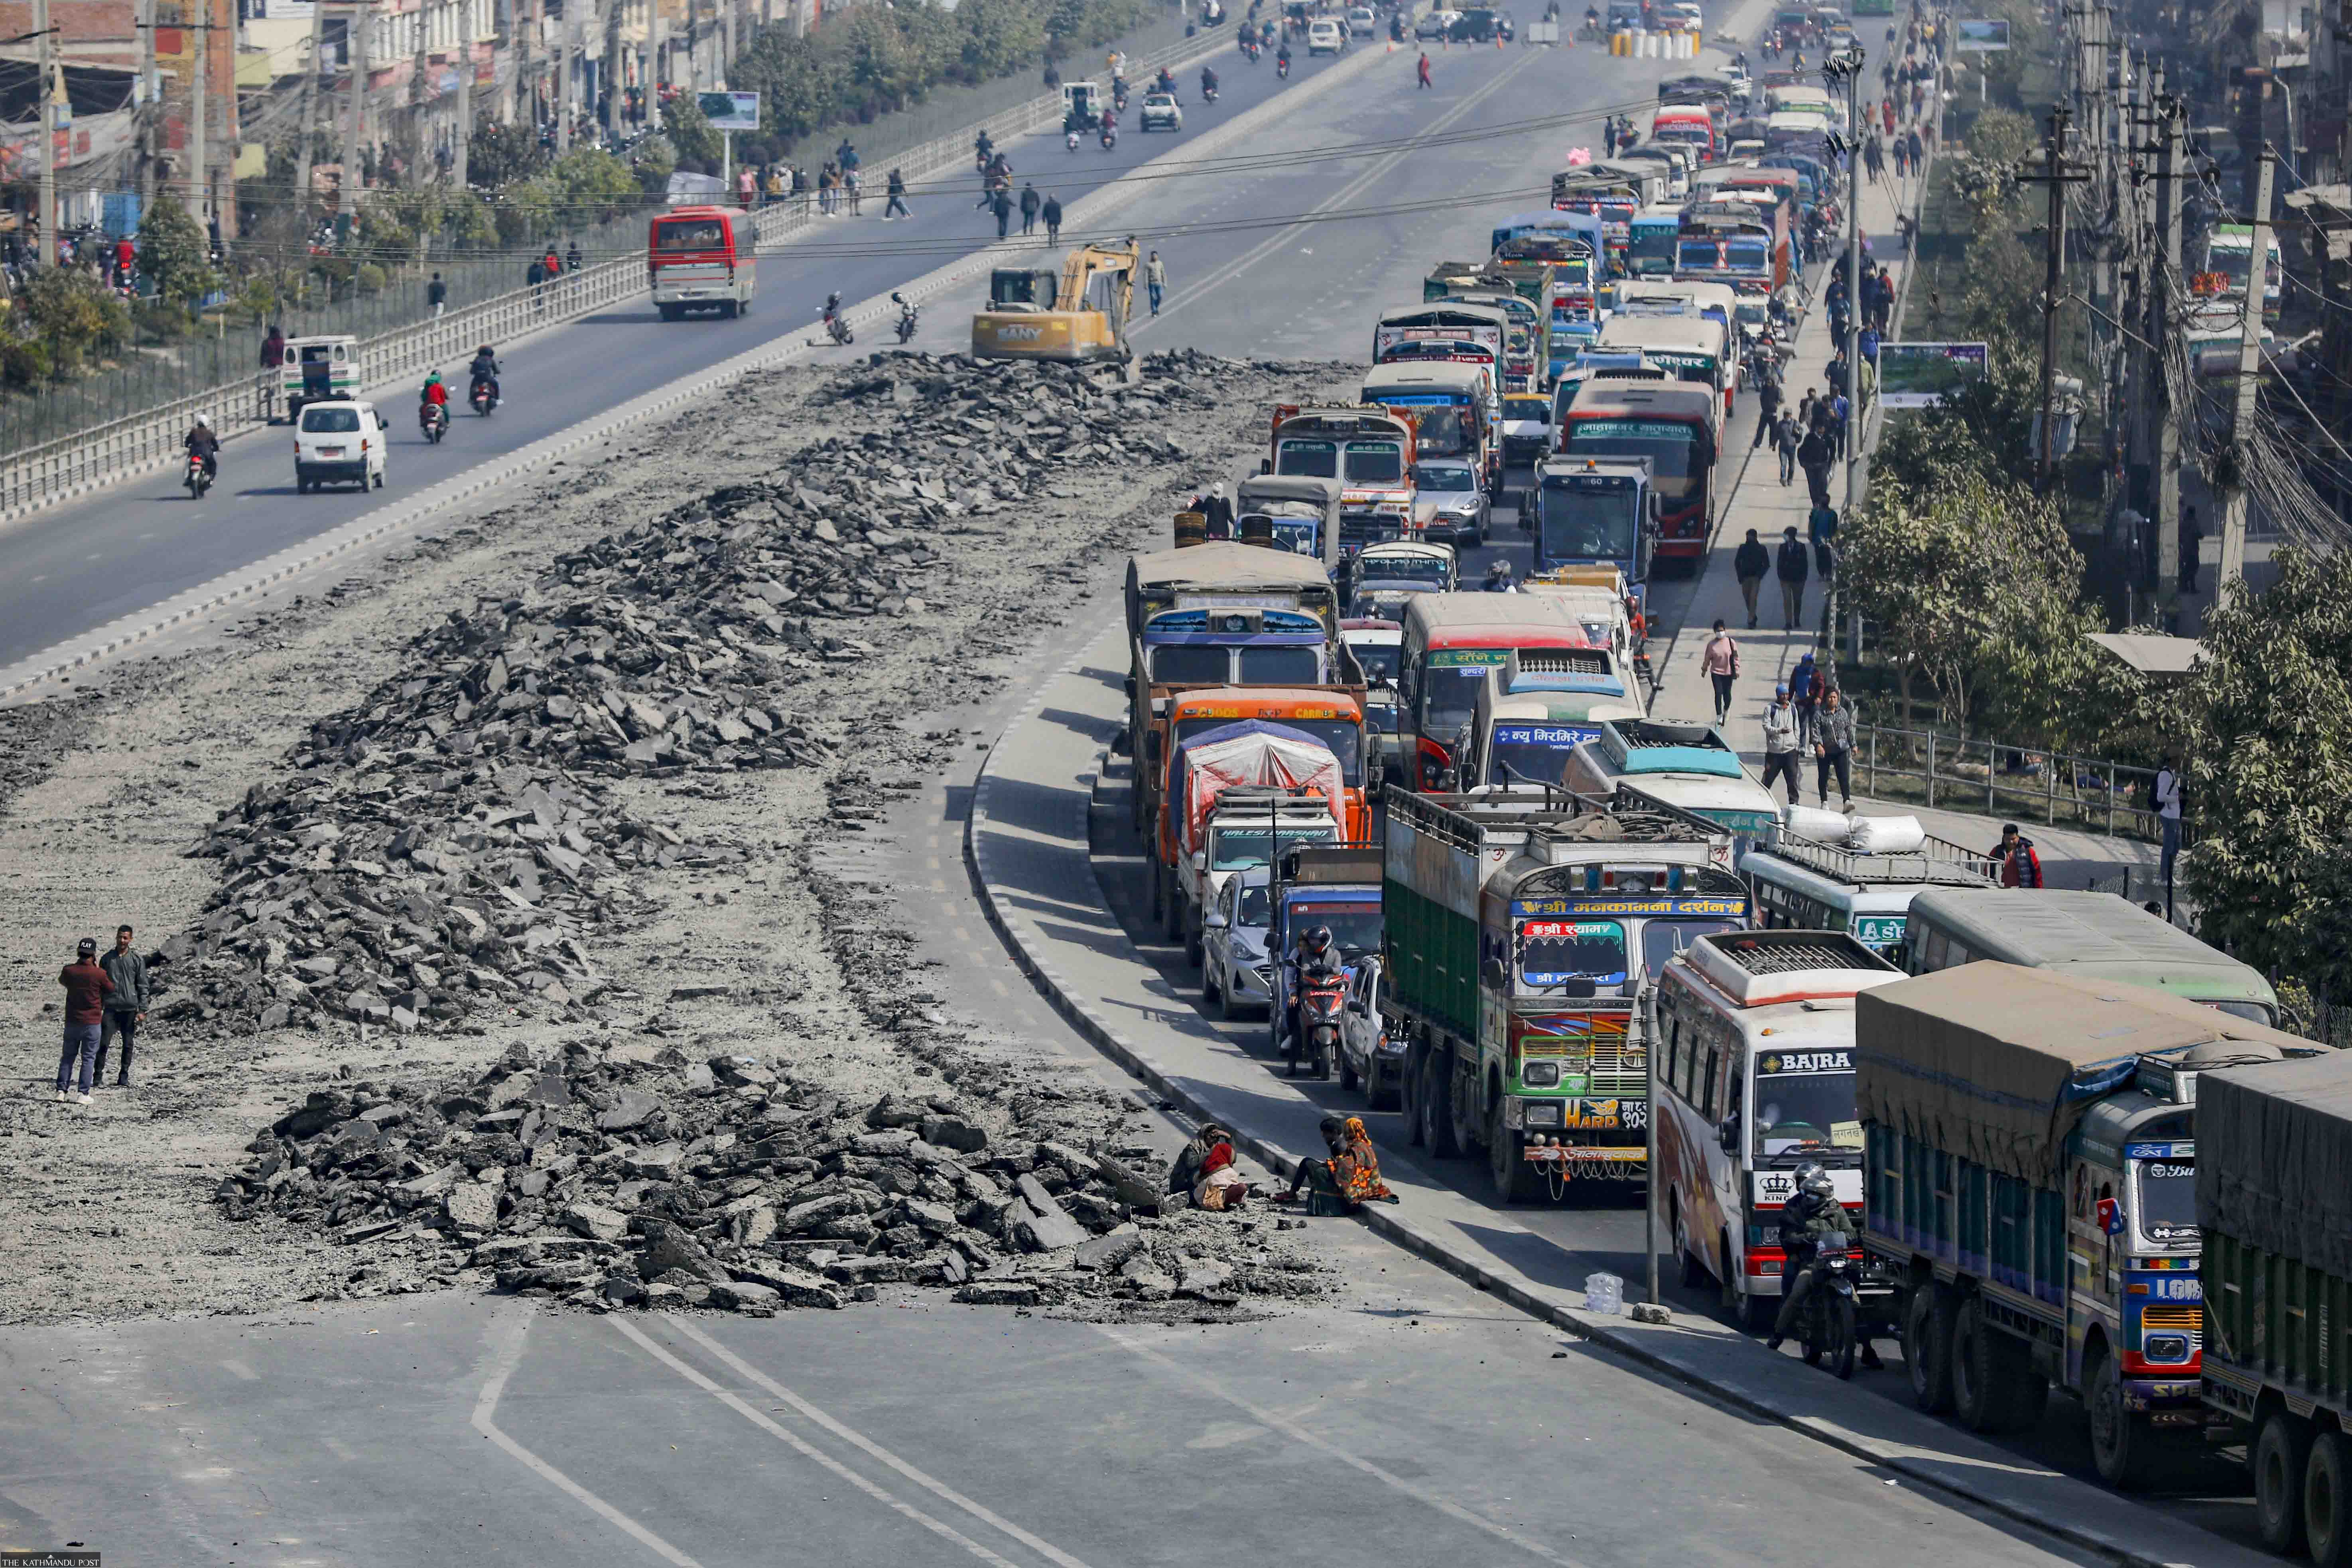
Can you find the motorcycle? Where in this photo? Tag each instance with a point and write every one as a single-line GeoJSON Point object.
{"type": "Point", "coordinates": [1207, 95]}
{"type": "Point", "coordinates": [907, 315]}
{"type": "Point", "coordinates": [1109, 136]}
{"type": "Point", "coordinates": [482, 397]}
{"type": "Point", "coordinates": [1315, 1044]}
{"type": "Point", "coordinates": [1250, 50]}
{"type": "Point", "coordinates": [1071, 139]}
{"type": "Point", "coordinates": [432, 418]}
{"type": "Point", "coordinates": [838, 330]}
{"type": "Point", "coordinates": [1282, 68]}
{"type": "Point", "coordinates": [198, 481]}
{"type": "Point", "coordinates": [1826, 1329]}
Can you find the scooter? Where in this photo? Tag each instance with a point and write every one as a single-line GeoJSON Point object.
{"type": "Point", "coordinates": [1207, 95]}
{"type": "Point", "coordinates": [432, 418]}
{"type": "Point", "coordinates": [1109, 136]}
{"type": "Point", "coordinates": [1322, 993]}
{"type": "Point", "coordinates": [1282, 67]}
{"type": "Point", "coordinates": [906, 328]}
{"type": "Point", "coordinates": [1827, 1327]}
{"type": "Point", "coordinates": [482, 398]}
{"type": "Point", "coordinates": [198, 481]}
{"type": "Point", "coordinates": [1072, 140]}
{"type": "Point", "coordinates": [838, 330]}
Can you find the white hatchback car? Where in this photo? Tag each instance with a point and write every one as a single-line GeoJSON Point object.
{"type": "Point", "coordinates": [341, 442]}
{"type": "Point", "coordinates": [1326, 35]}
{"type": "Point", "coordinates": [1363, 21]}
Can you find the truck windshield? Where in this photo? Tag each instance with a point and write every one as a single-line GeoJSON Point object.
{"type": "Point", "coordinates": [1281, 666]}
{"type": "Point", "coordinates": [1355, 926]}
{"type": "Point", "coordinates": [1375, 462]}
{"type": "Point", "coordinates": [1308, 460]}
{"type": "Point", "coordinates": [1553, 952]}
{"type": "Point", "coordinates": [1300, 535]}
{"type": "Point", "coordinates": [1381, 661]}
{"type": "Point", "coordinates": [1191, 666]}
{"type": "Point", "coordinates": [1652, 249]}
{"type": "Point", "coordinates": [2168, 1201]}
{"type": "Point", "coordinates": [1804, 1103]}
{"type": "Point", "coordinates": [1237, 848]}
{"type": "Point", "coordinates": [1582, 523]}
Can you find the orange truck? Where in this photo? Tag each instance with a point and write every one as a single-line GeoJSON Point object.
{"type": "Point", "coordinates": [1331, 714]}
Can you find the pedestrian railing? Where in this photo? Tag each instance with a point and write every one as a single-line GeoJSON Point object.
{"type": "Point", "coordinates": [2000, 779]}
{"type": "Point", "coordinates": [58, 470]}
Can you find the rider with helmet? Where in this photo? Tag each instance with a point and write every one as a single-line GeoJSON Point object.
{"type": "Point", "coordinates": [1314, 953]}
{"type": "Point", "coordinates": [202, 442]}
{"type": "Point", "coordinates": [1811, 1214]}
{"type": "Point", "coordinates": [484, 370]}
{"type": "Point", "coordinates": [1499, 578]}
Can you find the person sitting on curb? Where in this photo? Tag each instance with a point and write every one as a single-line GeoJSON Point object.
{"type": "Point", "coordinates": [1207, 1171]}
{"type": "Point", "coordinates": [1347, 1180]}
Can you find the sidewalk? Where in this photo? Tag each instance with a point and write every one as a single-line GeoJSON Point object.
{"type": "Point", "coordinates": [1027, 844]}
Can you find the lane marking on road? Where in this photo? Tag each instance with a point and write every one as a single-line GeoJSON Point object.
{"type": "Point", "coordinates": [799, 1444]}
{"type": "Point", "coordinates": [242, 1373]}
{"type": "Point", "coordinates": [940, 1490]}
{"type": "Point", "coordinates": [509, 1330]}
{"type": "Point", "coordinates": [1296, 1433]}
{"type": "Point", "coordinates": [1341, 197]}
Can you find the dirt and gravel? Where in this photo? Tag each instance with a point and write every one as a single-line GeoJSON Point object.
{"type": "Point", "coordinates": [531, 803]}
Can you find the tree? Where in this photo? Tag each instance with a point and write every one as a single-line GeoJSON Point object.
{"type": "Point", "coordinates": [689, 133]}
{"type": "Point", "coordinates": [2270, 772]}
{"type": "Point", "coordinates": [175, 253]}
{"type": "Point", "coordinates": [74, 318]}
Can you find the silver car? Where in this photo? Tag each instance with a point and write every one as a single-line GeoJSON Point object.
{"type": "Point", "coordinates": [1449, 501]}
{"type": "Point", "coordinates": [1236, 971]}
{"type": "Point", "coordinates": [1367, 1055]}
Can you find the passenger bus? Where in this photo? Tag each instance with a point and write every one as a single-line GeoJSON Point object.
{"type": "Point", "coordinates": [1444, 322]}
{"type": "Point", "coordinates": [1696, 349]}
{"type": "Point", "coordinates": [1689, 124]}
{"type": "Point", "coordinates": [1678, 426]}
{"type": "Point", "coordinates": [1455, 411]}
{"type": "Point", "coordinates": [1451, 640]}
{"type": "Point", "coordinates": [1754, 1056]}
{"type": "Point", "coordinates": [1536, 709]}
{"type": "Point", "coordinates": [1650, 251]}
{"type": "Point", "coordinates": [2090, 936]}
{"type": "Point", "coordinates": [1687, 766]}
{"type": "Point", "coordinates": [702, 258]}
{"type": "Point", "coordinates": [1735, 242]}
{"type": "Point", "coordinates": [1527, 339]}
{"type": "Point", "coordinates": [1826, 887]}
{"type": "Point", "coordinates": [1678, 297]}
{"type": "Point", "coordinates": [2229, 262]}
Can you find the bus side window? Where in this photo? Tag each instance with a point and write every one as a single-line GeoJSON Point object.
{"type": "Point", "coordinates": [1930, 951]}
{"type": "Point", "coordinates": [1707, 1086]}
{"type": "Point", "coordinates": [1673, 1048]}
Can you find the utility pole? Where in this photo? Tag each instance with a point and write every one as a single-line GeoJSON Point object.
{"type": "Point", "coordinates": [355, 46]}
{"type": "Point", "coordinates": [150, 107]}
{"type": "Point", "coordinates": [564, 36]}
{"type": "Point", "coordinates": [200, 105]}
{"type": "Point", "coordinates": [2057, 176]}
{"type": "Point", "coordinates": [46, 252]}
{"type": "Point", "coordinates": [2250, 352]}
{"type": "Point", "coordinates": [2164, 273]}
{"type": "Point", "coordinates": [310, 119]}
{"type": "Point", "coordinates": [611, 73]}
{"type": "Point", "coordinates": [458, 166]}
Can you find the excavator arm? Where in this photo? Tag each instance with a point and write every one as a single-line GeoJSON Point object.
{"type": "Point", "coordinates": [1077, 328]}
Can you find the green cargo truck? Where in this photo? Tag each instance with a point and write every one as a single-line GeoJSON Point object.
{"type": "Point", "coordinates": [2029, 1156]}
{"type": "Point", "coordinates": [2274, 1206]}
{"type": "Point", "coordinates": [1521, 935]}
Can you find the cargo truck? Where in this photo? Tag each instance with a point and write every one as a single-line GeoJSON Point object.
{"type": "Point", "coordinates": [2029, 1161]}
{"type": "Point", "coordinates": [1520, 936]}
{"type": "Point", "coordinates": [2273, 1177]}
{"type": "Point", "coordinates": [1239, 795]}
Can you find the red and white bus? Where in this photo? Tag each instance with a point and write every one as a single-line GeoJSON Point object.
{"type": "Point", "coordinates": [703, 259]}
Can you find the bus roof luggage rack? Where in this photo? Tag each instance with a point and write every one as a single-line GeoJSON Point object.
{"type": "Point", "coordinates": [1756, 968]}
{"type": "Point", "coordinates": [1563, 662]}
{"type": "Point", "coordinates": [1937, 860]}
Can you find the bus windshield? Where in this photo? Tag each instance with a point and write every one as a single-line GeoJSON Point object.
{"type": "Point", "coordinates": [1671, 447]}
{"type": "Point", "coordinates": [1524, 753]}
{"type": "Point", "coordinates": [690, 234]}
{"type": "Point", "coordinates": [1581, 523]}
{"type": "Point", "coordinates": [1804, 1103]}
{"type": "Point", "coordinates": [1444, 429]}
{"type": "Point", "coordinates": [1554, 953]}
{"type": "Point", "coordinates": [1652, 249]}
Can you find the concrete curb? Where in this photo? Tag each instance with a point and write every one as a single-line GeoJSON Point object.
{"type": "Point", "coordinates": [80, 653]}
{"type": "Point", "coordinates": [1391, 1225]}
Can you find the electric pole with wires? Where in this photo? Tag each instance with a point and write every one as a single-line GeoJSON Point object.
{"type": "Point", "coordinates": [2250, 364]}
{"type": "Point", "coordinates": [2057, 174]}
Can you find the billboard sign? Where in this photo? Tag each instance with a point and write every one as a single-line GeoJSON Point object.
{"type": "Point", "coordinates": [1916, 375]}
{"type": "Point", "coordinates": [1989, 37]}
{"type": "Point", "coordinates": [729, 111]}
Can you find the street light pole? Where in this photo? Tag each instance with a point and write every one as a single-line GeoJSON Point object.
{"type": "Point", "coordinates": [1845, 66]}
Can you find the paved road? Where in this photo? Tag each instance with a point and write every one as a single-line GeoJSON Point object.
{"type": "Point", "coordinates": [76, 567]}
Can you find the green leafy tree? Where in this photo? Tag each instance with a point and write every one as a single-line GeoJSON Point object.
{"type": "Point", "coordinates": [74, 319]}
{"type": "Point", "coordinates": [500, 153]}
{"type": "Point", "coordinates": [689, 133]}
{"type": "Point", "coordinates": [175, 253]}
{"type": "Point", "coordinates": [2270, 772]}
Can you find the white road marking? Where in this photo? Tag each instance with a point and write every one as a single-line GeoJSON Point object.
{"type": "Point", "coordinates": [242, 1373]}
{"type": "Point", "coordinates": [946, 1493]}
{"type": "Point", "coordinates": [506, 1354]}
{"type": "Point", "coordinates": [1291, 1428]}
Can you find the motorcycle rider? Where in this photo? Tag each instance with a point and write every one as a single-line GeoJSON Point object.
{"type": "Point", "coordinates": [1592, 20]}
{"type": "Point", "coordinates": [203, 443]}
{"type": "Point", "coordinates": [1282, 57]}
{"type": "Point", "coordinates": [1165, 82]}
{"type": "Point", "coordinates": [906, 314]}
{"type": "Point", "coordinates": [1499, 578]}
{"type": "Point", "coordinates": [1208, 84]}
{"type": "Point", "coordinates": [1314, 953]}
{"type": "Point", "coordinates": [484, 371]}
{"type": "Point", "coordinates": [1813, 1213]}
{"type": "Point", "coordinates": [434, 395]}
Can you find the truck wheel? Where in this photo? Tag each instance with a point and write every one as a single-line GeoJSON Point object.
{"type": "Point", "coordinates": [1928, 1346]}
{"type": "Point", "coordinates": [2327, 1500]}
{"type": "Point", "coordinates": [2120, 1446]}
{"type": "Point", "coordinates": [2279, 1452]}
{"type": "Point", "coordinates": [1194, 954]}
{"type": "Point", "coordinates": [1469, 1123]}
{"type": "Point", "coordinates": [1504, 1164]}
{"type": "Point", "coordinates": [1416, 1096]}
{"type": "Point", "coordinates": [1172, 909]}
{"type": "Point", "coordinates": [1437, 1106]}
{"type": "Point", "coordinates": [1983, 1370]}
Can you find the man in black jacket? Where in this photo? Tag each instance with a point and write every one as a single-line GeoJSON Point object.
{"type": "Point", "coordinates": [1795, 564]}
{"type": "Point", "coordinates": [126, 1005]}
{"type": "Point", "coordinates": [1750, 565]}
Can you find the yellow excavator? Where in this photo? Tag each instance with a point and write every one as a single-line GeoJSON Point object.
{"type": "Point", "coordinates": [1083, 318]}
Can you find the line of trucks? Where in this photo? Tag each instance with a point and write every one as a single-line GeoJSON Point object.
{"type": "Point", "coordinates": [1574, 924]}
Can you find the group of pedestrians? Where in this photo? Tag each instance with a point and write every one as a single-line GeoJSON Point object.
{"type": "Point", "coordinates": [106, 1001]}
{"type": "Point", "coordinates": [1808, 715]}
{"type": "Point", "coordinates": [1812, 438]}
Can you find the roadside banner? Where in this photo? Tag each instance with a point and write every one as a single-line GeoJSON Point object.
{"type": "Point", "coordinates": [1979, 37]}
{"type": "Point", "coordinates": [729, 111]}
{"type": "Point", "coordinates": [1916, 375]}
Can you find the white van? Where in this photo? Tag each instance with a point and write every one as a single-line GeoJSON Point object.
{"type": "Point", "coordinates": [337, 443]}
{"type": "Point", "coordinates": [1827, 887]}
{"type": "Point", "coordinates": [1326, 35]}
{"type": "Point", "coordinates": [1752, 1039]}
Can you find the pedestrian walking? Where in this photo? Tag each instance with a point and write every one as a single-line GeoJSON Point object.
{"type": "Point", "coordinates": [1607, 136]}
{"type": "Point", "coordinates": [1425, 68]}
{"type": "Point", "coordinates": [1902, 159]}
{"type": "Point", "coordinates": [1768, 403]}
{"type": "Point", "coordinates": [273, 348]}
{"type": "Point", "coordinates": [1793, 565]}
{"type": "Point", "coordinates": [898, 202]}
{"type": "Point", "coordinates": [2167, 816]}
{"type": "Point", "coordinates": [86, 991]}
{"type": "Point", "coordinates": [1002, 205]}
{"type": "Point", "coordinates": [1052, 213]}
{"type": "Point", "coordinates": [1780, 752]}
{"type": "Point", "coordinates": [1841, 412]}
{"type": "Point", "coordinates": [1720, 659]}
{"type": "Point", "coordinates": [1751, 564]}
{"type": "Point", "coordinates": [1834, 748]}
{"type": "Point", "coordinates": [1814, 457]}
{"type": "Point", "coordinates": [536, 277]}
{"type": "Point", "coordinates": [1029, 205]}
{"type": "Point", "coordinates": [572, 256]}
{"type": "Point", "coordinates": [1784, 441]}
{"type": "Point", "coordinates": [1155, 279]}
{"type": "Point", "coordinates": [1873, 159]}
{"type": "Point", "coordinates": [436, 295]}
{"type": "Point", "coordinates": [126, 1003]}
{"type": "Point", "coordinates": [1916, 149]}
{"type": "Point", "coordinates": [1821, 528]}
{"type": "Point", "coordinates": [2015, 865]}
{"type": "Point", "coordinates": [853, 185]}
{"type": "Point", "coordinates": [824, 189]}
{"type": "Point", "coordinates": [1887, 108]}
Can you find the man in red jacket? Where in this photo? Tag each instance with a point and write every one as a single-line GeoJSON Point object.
{"type": "Point", "coordinates": [87, 988]}
{"type": "Point", "coordinates": [2020, 866]}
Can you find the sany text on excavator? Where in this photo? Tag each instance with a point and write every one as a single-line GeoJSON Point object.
{"type": "Point", "coordinates": [1083, 319]}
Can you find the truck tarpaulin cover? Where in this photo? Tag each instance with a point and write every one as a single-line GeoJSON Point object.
{"type": "Point", "coordinates": [1252, 752]}
{"type": "Point", "coordinates": [1997, 1063]}
{"type": "Point", "coordinates": [2274, 1158]}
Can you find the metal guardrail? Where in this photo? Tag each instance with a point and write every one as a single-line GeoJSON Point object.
{"type": "Point", "coordinates": [56, 471]}
{"type": "Point", "coordinates": [2000, 779]}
